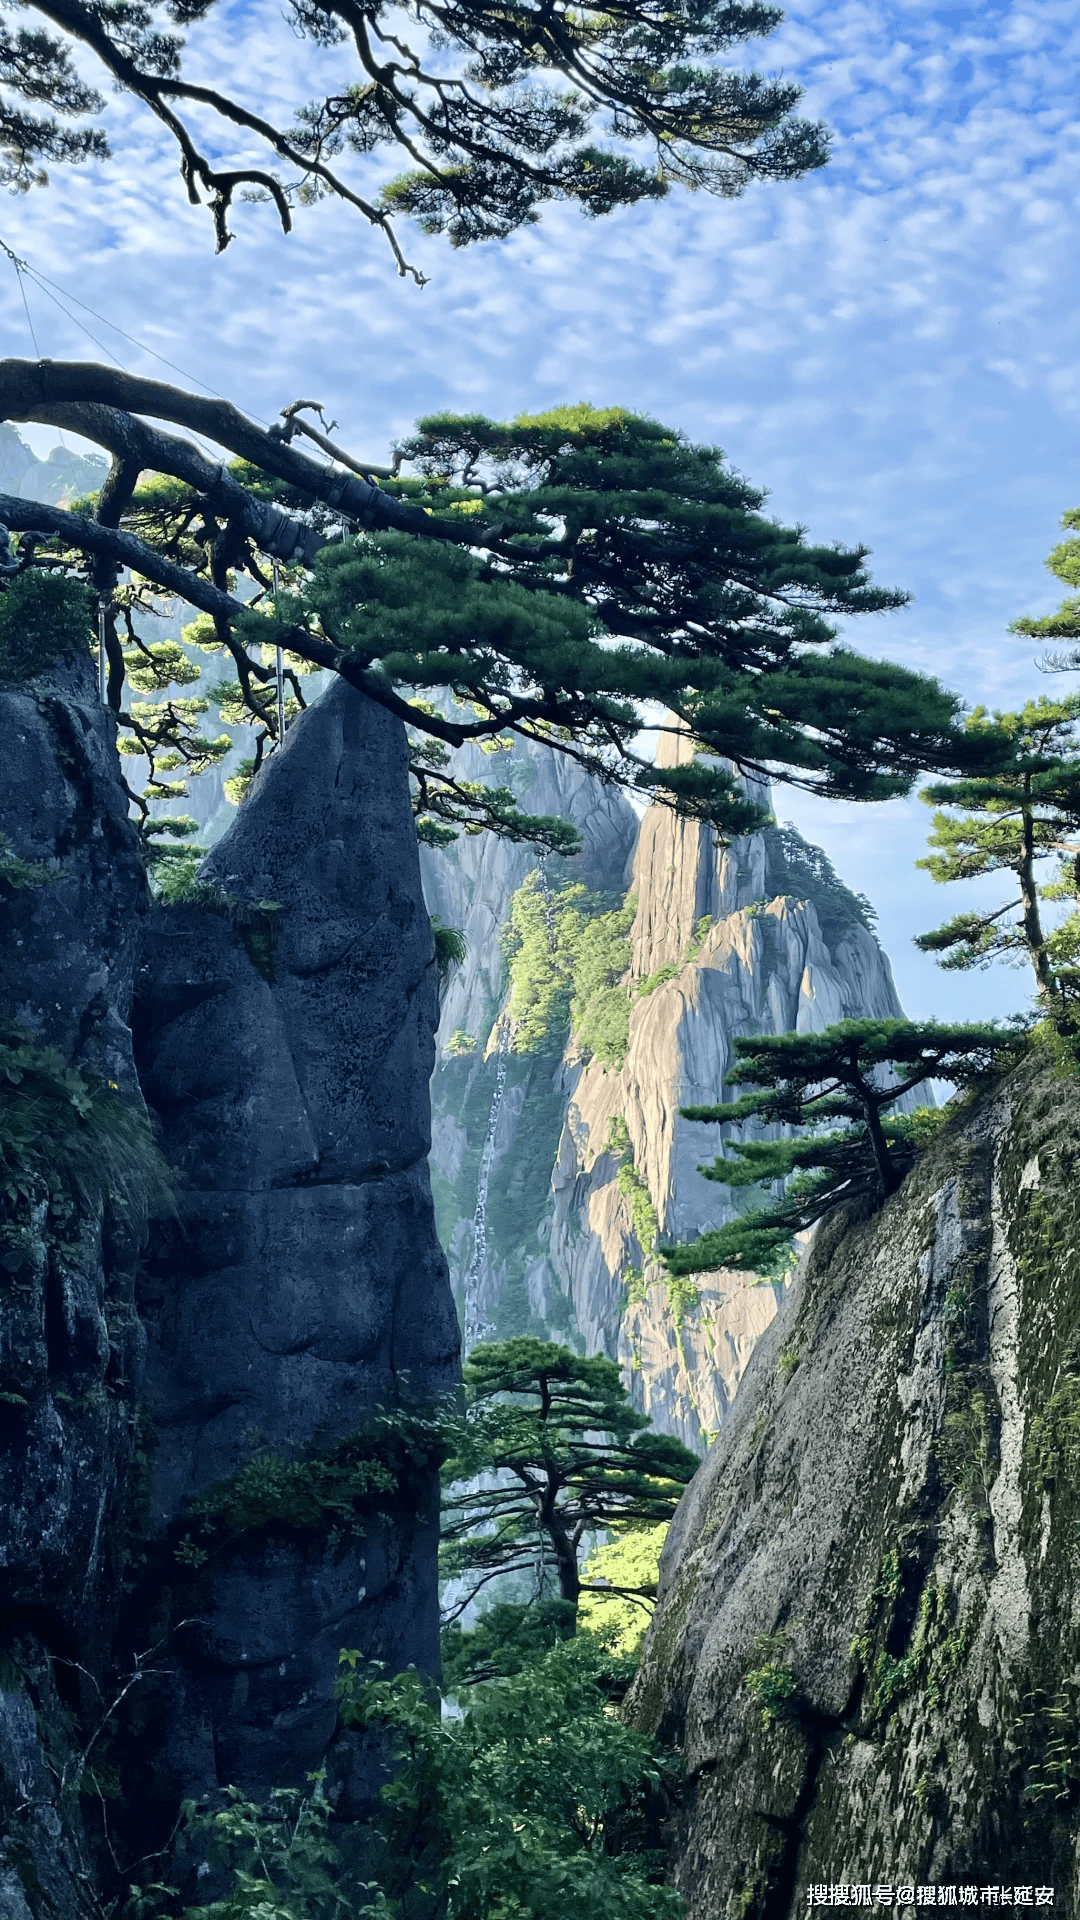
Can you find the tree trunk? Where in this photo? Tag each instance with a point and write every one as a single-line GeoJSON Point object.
{"type": "Point", "coordinates": [887, 1172]}
{"type": "Point", "coordinates": [565, 1556]}
{"type": "Point", "coordinates": [1029, 899]}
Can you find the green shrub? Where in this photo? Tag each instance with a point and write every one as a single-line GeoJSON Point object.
{"type": "Point", "coordinates": [530, 1806]}
{"type": "Point", "coordinates": [568, 952]}
{"type": "Point", "coordinates": [451, 949]}
{"type": "Point", "coordinates": [44, 618]}
{"type": "Point", "coordinates": [68, 1137]}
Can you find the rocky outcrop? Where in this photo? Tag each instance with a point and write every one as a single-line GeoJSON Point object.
{"type": "Point", "coordinates": [284, 1029]}
{"type": "Point", "coordinates": [70, 1342]}
{"type": "Point", "coordinates": [868, 1636]}
{"type": "Point", "coordinates": [215, 1473]}
{"type": "Point", "coordinates": [533, 1200]}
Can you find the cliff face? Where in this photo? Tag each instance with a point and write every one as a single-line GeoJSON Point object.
{"type": "Point", "coordinates": [70, 1342]}
{"type": "Point", "coordinates": [285, 1039]}
{"type": "Point", "coordinates": [757, 937]}
{"type": "Point", "coordinates": [868, 1634]}
{"type": "Point", "coordinates": [208, 1474]}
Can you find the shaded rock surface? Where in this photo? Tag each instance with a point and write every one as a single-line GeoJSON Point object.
{"type": "Point", "coordinates": [868, 1635]}
{"type": "Point", "coordinates": [70, 1342]}
{"type": "Point", "coordinates": [285, 1039]}
{"type": "Point", "coordinates": [744, 939]}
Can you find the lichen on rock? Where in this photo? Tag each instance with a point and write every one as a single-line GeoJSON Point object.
{"type": "Point", "coordinates": [897, 1509]}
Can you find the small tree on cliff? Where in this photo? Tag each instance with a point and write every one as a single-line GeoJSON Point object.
{"type": "Point", "coordinates": [852, 1073]}
{"type": "Point", "coordinates": [568, 1455]}
{"type": "Point", "coordinates": [1013, 821]}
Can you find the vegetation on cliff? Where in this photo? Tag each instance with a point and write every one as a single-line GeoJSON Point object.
{"type": "Point", "coordinates": [550, 1451]}
{"type": "Point", "coordinates": [1014, 821]}
{"type": "Point", "coordinates": [850, 1073]}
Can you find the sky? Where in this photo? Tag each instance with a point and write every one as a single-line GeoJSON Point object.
{"type": "Point", "coordinates": [891, 346]}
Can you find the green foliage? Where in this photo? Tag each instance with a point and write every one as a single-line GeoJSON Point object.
{"type": "Point", "coordinates": [1013, 821]}
{"type": "Point", "coordinates": [282, 1857]}
{"type": "Point", "coordinates": [657, 979]}
{"type": "Point", "coordinates": [567, 954]}
{"type": "Point", "coordinates": [333, 1492]}
{"type": "Point", "coordinates": [682, 1294]}
{"type": "Point", "coordinates": [628, 1566]}
{"type": "Point", "coordinates": [563, 1454]}
{"type": "Point", "coordinates": [451, 949]}
{"type": "Point", "coordinates": [629, 567]}
{"type": "Point", "coordinates": [526, 1808]}
{"type": "Point", "coordinates": [1064, 624]}
{"type": "Point", "coordinates": [16, 875]}
{"type": "Point", "coordinates": [506, 1638]}
{"type": "Point", "coordinates": [503, 115]}
{"type": "Point", "coordinates": [804, 872]}
{"type": "Point", "coordinates": [851, 1073]}
{"type": "Point", "coordinates": [459, 1044]}
{"type": "Point", "coordinates": [1054, 1728]}
{"type": "Point", "coordinates": [174, 878]}
{"type": "Point", "coordinates": [771, 1684]}
{"type": "Point", "coordinates": [642, 1212]}
{"type": "Point", "coordinates": [69, 1138]}
{"type": "Point", "coordinates": [45, 618]}
{"type": "Point", "coordinates": [1053, 1442]}
{"type": "Point", "coordinates": [175, 881]}
{"type": "Point", "coordinates": [698, 937]}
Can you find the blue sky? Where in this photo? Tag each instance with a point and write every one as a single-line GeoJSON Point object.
{"type": "Point", "coordinates": [892, 346]}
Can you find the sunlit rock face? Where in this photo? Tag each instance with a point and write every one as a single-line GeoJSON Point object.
{"type": "Point", "coordinates": [867, 1637]}
{"type": "Point", "coordinates": [285, 1036]}
{"type": "Point", "coordinates": [725, 941]}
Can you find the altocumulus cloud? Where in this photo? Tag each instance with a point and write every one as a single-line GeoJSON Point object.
{"type": "Point", "coordinates": [891, 345]}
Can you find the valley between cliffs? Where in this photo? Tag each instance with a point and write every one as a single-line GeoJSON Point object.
{"type": "Point", "coordinates": [758, 936]}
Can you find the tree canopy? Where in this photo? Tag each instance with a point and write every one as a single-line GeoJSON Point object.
{"type": "Point", "coordinates": [496, 111]}
{"type": "Point", "coordinates": [1064, 624]}
{"type": "Point", "coordinates": [1014, 821]}
{"type": "Point", "coordinates": [850, 1074]}
{"type": "Point", "coordinates": [562, 1454]}
{"type": "Point", "coordinates": [557, 579]}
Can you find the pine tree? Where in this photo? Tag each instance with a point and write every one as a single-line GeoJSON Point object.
{"type": "Point", "coordinates": [851, 1073]}
{"type": "Point", "coordinates": [622, 566]}
{"type": "Point", "coordinates": [572, 571]}
{"type": "Point", "coordinates": [1014, 821]}
{"type": "Point", "coordinates": [568, 1455]}
{"type": "Point", "coordinates": [1064, 624]}
{"type": "Point", "coordinates": [497, 110]}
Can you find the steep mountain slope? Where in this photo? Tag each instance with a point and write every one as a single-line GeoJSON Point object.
{"type": "Point", "coordinates": [212, 1476]}
{"type": "Point", "coordinates": [541, 1158]}
{"type": "Point", "coordinates": [868, 1635]}
{"type": "Point", "coordinates": [71, 1345]}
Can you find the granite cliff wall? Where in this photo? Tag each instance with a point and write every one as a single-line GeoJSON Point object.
{"type": "Point", "coordinates": [204, 1473]}
{"type": "Point", "coordinates": [755, 937]}
{"type": "Point", "coordinates": [71, 1345]}
{"type": "Point", "coordinates": [868, 1634]}
{"type": "Point", "coordinates": [284, 1036]}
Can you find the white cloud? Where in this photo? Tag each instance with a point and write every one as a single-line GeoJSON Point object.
{"type": "Point", "coordinates": [891, 344]}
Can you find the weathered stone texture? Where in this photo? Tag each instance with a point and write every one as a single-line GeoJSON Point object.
{"type": "Point", "coordinates": [70, 1342]}
{"type": "Point", "coordinates": [286, 1048]}
{"type": "Point", "coordinates": [884, 1534]}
